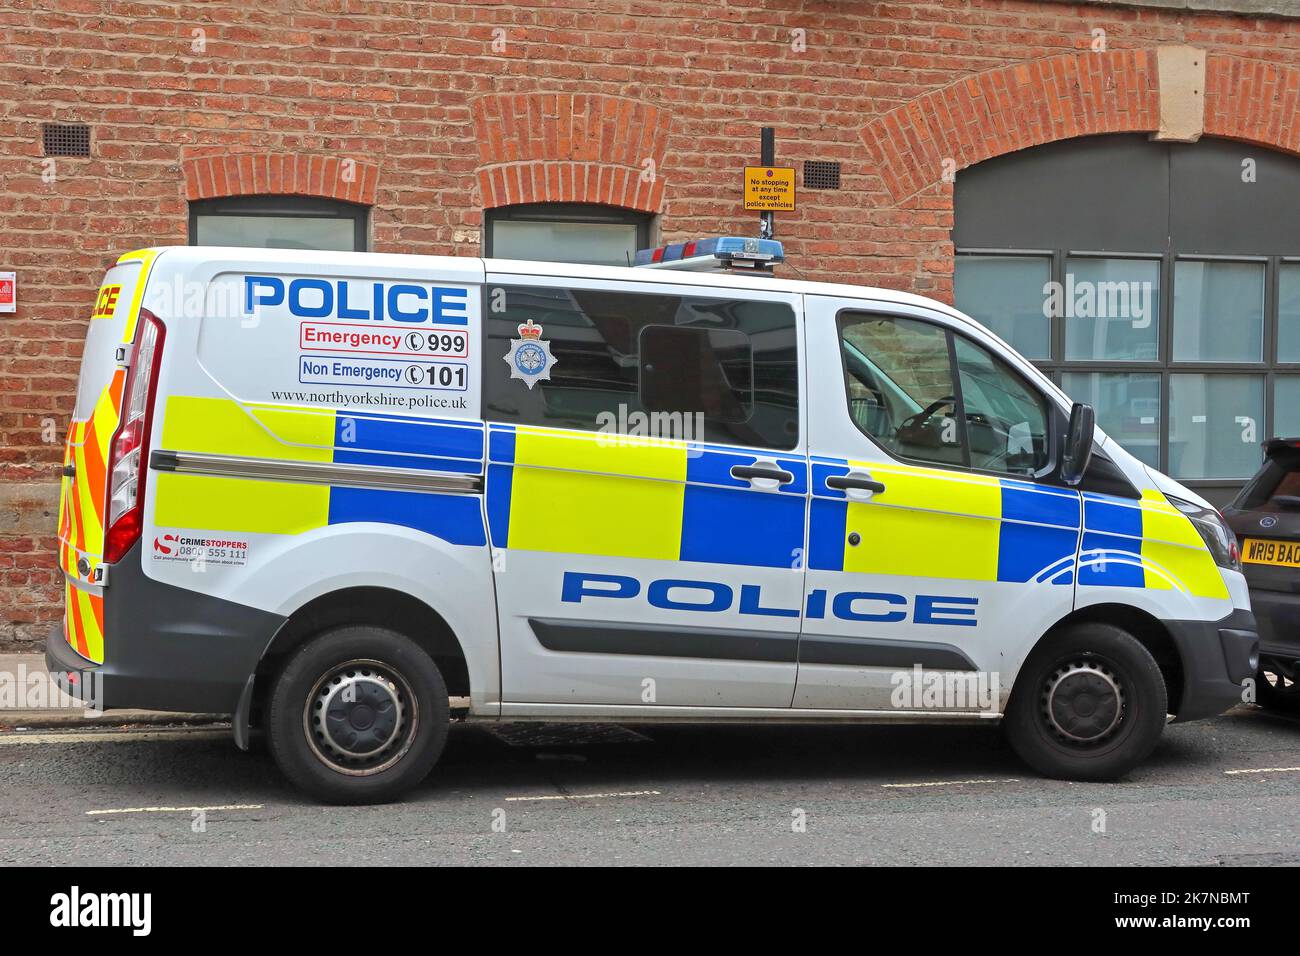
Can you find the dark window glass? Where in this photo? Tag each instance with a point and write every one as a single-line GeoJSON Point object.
{"type": "Point", "coordinates": [1276, 487]}
{"type": "Point", "coordinates": [1006, 420]}
{"type": "Point", "coordinates": [902, 391]}
{"type": "Point", "coordinates": [703, 368]}
{"type": "Point", "coordinates": [704, 371]}
{"type": "Point", "coordinates": [900, 386]}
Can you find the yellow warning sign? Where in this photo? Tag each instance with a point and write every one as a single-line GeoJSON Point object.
{"type": "Point", "coordinates": [769, 188]}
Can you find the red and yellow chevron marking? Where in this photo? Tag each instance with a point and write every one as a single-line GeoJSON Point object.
{"type": "Point", "coordinates": [83, 622]}
{"type": "Point", "coordinates": [83, 499]}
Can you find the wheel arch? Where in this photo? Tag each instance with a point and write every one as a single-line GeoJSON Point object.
{"type": "Point", "coordinates": [1144, 627]}
{"type": "Point", "coordinates": [360, 605]}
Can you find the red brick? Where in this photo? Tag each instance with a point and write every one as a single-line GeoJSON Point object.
{"type": "Point", "coordinates": [440, 128]}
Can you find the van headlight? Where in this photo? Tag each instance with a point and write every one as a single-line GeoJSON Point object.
{"type": "Point", "coordinates": [1218, 537]}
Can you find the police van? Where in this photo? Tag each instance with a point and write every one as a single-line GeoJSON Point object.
{"type": "Point", "coordinates": [327, 493]}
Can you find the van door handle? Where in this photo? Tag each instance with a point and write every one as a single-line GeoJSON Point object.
{"type": "Point", "coordinates": [69, 471]}
{"type": "Point", "coordinates": [772, 473]}
{"type": "Point", "coordinates": [858, 482]}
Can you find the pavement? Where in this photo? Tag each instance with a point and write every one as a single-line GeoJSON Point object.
{"type": "Point", "coordinates": [24, 681]}
{"type": "Point", "coordinates": [1217, 792]}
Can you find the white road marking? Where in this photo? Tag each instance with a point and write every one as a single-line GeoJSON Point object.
{"type": "Point", "coordinates": [228, 806]}
{"type": "Point", "coordinates": [1265, 770]}
{"type": "Point", "coordinates": [586, 796]}
{"type": "Point", "coordinates": [946, 783]}
{"type": "Point", "coordinates": [114, 736]}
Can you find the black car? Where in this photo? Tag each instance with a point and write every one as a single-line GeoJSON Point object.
{"type": "Point", "coordinates": [1266, 519]}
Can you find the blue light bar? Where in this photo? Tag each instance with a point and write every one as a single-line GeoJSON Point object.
{"type": "Point", "coordinates": [714, 252]}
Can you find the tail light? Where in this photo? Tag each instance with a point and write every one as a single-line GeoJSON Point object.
{"type": "Point", "coordinates": [129, 450]}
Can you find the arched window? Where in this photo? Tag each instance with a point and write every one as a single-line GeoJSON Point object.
{"type": "Point", "coordinates": [279, 222]}
{"type": "Point", "coordinates": [566, 232]}
{"type": "Point", "coordinates": [1160, 282]}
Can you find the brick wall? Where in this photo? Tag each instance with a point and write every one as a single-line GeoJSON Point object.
{"type": "Point", "coordinates": [438, 110]}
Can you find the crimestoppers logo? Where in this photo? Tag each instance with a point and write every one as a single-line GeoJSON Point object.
{"type": "Point", "coordinates": [75, 909]}
{"type": "Point", "coordinates": [530, 357]}
{"type": "Point", "coordinates": [163, 544]}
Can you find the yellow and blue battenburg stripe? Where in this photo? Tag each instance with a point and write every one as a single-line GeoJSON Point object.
{"type": "Point", "coordinates": [942, 524]}
{"type": "Point", "coordinates": [289, 433]}
{"type": "Point", "coordinates": [573, 492]}
{"type": "Point", "coordinates": [602, 494]}
{"type": "Point", "coordinates": [1145, 544]}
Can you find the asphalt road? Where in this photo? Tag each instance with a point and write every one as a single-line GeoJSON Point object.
{"type": "Point", "coordinates": [664, 794]}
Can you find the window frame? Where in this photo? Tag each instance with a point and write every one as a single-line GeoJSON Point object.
{"type": "Point", "coordinates": [1052, 416]}
{"type": "Point", "coordinates": [1164, 366]}
{"type": "Point", "coordinates": [564, 280]}
{"type": "Point", "coordinates": [569, 213]}
{"type": "Point", "coordinates": [641, 382]}
{"type": "Point", "coordinates": [283, 207]}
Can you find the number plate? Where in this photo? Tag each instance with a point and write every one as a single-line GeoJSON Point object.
{"type": "Point", "coordinates": [1262, 551]}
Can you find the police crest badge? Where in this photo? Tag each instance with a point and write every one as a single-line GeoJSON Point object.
{"type": "Point", "coordinates": [530, 357]}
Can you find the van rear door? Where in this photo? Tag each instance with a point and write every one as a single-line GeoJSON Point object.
{"type": "Point", "coordinates": [84, 488]}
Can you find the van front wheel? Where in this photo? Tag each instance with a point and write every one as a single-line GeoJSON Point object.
{"type": "Point", "coordinates": [358, 715]}
{"type": "Point", "coordinates": [1089, 704]}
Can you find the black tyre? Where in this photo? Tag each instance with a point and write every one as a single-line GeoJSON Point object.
{"type": "Point", "coordinates": [1277, 687]}
{"type": "Point", "coordinates": [358, 715]}
{"type": "Point", "coordinates": [1089, 704]}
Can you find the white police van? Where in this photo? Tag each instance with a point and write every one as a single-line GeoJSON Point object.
{"type": "Point", "coordinates": [325, 492]}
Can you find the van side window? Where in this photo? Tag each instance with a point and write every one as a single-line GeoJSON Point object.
{"type": "Point", "coordinates": [927, 395]}
{"type": "Point", "coordinates": [1006, 421]}
{"type": "Point", "coordinates": [686, 367]}
{"type": "Point", "coordinates": [900, 386]}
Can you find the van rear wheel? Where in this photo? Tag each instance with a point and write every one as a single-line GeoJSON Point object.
{"type": "Point", "coordinates": [1089, 704]}
{"type": "Point", "coordinates": [358, 715]}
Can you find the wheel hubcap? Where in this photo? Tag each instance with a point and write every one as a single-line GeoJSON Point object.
{"type": "Point", "coordinates": [1083, 702]}
{"type": "Point", "coordinates": [360, 717]}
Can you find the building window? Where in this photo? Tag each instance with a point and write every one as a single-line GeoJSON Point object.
{"type": "Point", "coordinates": [1286, 402]}
{"type": "Point", "coordinates": [279, 222]}
{"type": "Point", "coordinates": [1218, 311]}
{"type": "Point", "coordinates": [1123, 322]}
{"type": "Point", "coordinates": [574, 232]}
{"type": "Point", "coordinates": [1006, 293]}
{"type": "Point", "coordinates": [1288, 313]}
{"type": "Point", "coordinates": [1151, 282]}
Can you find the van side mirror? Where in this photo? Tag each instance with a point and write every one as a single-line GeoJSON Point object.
{"type": "Point", "coordinates": [1078, 443]}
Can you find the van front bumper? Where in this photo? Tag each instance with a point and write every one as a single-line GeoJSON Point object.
{"type": "Point", "coordinates": [1217, 658]}
{"type": "Point", "coordinates": [165, 648]}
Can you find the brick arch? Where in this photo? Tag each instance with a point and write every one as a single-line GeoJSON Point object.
{"type": "Point", "coordinates": [1253, 101]}
{"type": "Point", "coordinates": [213, 176]}
{"type": "Point", "coordinates": [562, 147]}
{"type": "Point", "coordinates": [1010, 108]}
